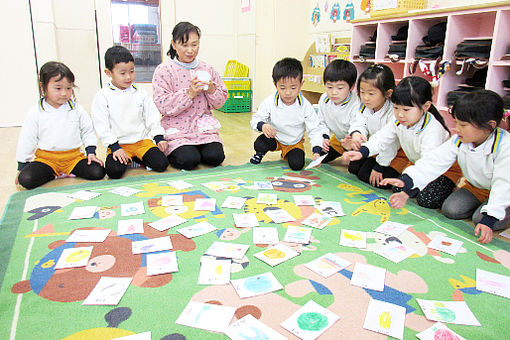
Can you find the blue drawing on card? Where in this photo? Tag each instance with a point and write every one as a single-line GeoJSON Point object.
{"type": "Point", "coordinates": [257, 335]}
{"type": "Point", "coordinates": [204, 308]}
{"type": "Point", "coordinates": [258, 284]}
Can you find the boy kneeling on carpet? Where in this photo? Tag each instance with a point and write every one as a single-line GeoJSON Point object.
{"type": "Point", "coordinates": [126, 118]}
{"type": "Point", "coordinates": [283, 117]}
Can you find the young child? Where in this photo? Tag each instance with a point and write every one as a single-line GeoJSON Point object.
{"type": "Point", "coordinates": [418, 129]}
{"type": "Point", "coordinates": [482, 150]}
{"type": "Point", "coordinates": [339, 106]}
{"type": "Point", "coordinates": [125, 117]}
{"type": "Point", "coordinates": [375, 86]}
{"type": "Point", "coordinates": [54, 130]}
{"type": "Point", "coordinates": [284, 116]}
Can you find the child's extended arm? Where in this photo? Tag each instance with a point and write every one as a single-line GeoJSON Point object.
{"type": "Point", "coordinates": [260, 121]}
{"type": "Point", "coordinates": [315, 130]}
{"type": "Point", "coordinates": [88, 136]}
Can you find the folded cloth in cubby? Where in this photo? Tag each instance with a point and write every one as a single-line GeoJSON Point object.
{"type": "Point", "coordinates": [478, 79]}
{"type": "Point", "coordinates": [367, 51]}
{"type": "Point", "coordinates": [398, 49]}
{"type": "Point", "coordinates": [474, 48]}
{"type": "Point", "coordinates": [430, 52]}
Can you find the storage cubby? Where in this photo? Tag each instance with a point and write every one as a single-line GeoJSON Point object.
{"type": "Point", "coordinates": [489, 21]}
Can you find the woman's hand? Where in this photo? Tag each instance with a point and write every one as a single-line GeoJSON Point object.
{"type": "Point", "coordinates": [195, 87]}
{"type": "Point", "coordinates": [93, 158]}
{"type": "Point", "coordinates": [212, 88]}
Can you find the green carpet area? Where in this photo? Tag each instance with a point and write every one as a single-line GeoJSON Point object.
{"type": "Point", "coordinates": [37, 301]}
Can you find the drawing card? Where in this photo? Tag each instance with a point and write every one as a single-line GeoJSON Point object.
{"type": "Point", "coordinates": [304, 200]}
{"type": "Point", "coordinates": [229, 250]}
{"type": "Point", "coordinates": [385, 318]}
{"type": "Point", "coordinates": [79, 213]}
{"type": "Point", "coordinates": [167, 222]}
{"type": "Point", "coordinates": [131, 209]}
{"type": "Point", "coordinates": [139, 336]}
{"type": "Point", "coordinates": [216, 186]}
{"type": "Point", "coordinates": [74, 257]}
{"type": "Point", "coordinates": [208, 316]}
{"type": "Point", "coordinates": [438, 331]}
{"type": "Point", "coordinates": [395, 251]}
{"type": "Point", "coordinates": [89, 235]}
{"type": "Point", "coordinates": [493, 283]}
{"type": "Point", "coordinates": [256, 285]}
{"type": "Point", "coordinates": [251, 328]}
{"type": "Point", "coordinates": [263, 185]}
{"type": "Point", "coordinates": [317, 221]}
{"type": "Point", "coordinates": [277, 254]}
{"type": "Point", "coordinates": [310, 321]}
{"type": "Point", "coordinates": [198, 229]}
{"type": "Point", "coordinates": [124, 191]}
{"type": "Point", "coordinates": [132, 226]}
{"type": "Point", "coordinates": [298, 234]}
{"type": "Point", "coordinates": [208, 204]}
{"type": "Point", "coordinates": [162, 263]}
{"type": "Point", "coordinates": [456, 312]}
{"type": "Point", "coordinates": [330, 208]}
{"type": "Point", "coordinates": [151, 245]}
{"type": "Point", "coordinates": [265, 198]}
{"type": "Point", "coordinates": [328, 264]}
{"type": "Point", "coordinates": [180, 184]}
{"type": "Point", "coordinates": [279, 215]}
{"type": "Point", "coordinates": [245, 220]}
{"type": "Point", "coordinates": [368, 276]}
{"type": "Point", "coordinates": [505, 233]}
{"type": "Point", "coordinates": [353, 238]}
{"type": "Point", "coordinates": [108, 291]}
{"type": "Point", "coordinates": [265, 235]}
{"type": "Point", "coordinates": [83, 195]}
{"type": "Point", "coordinates": [317, 162]}
{"type": "Point", "coordinates": [169, 200]}
{"type": "Point", "coordinates": [445, 244]}
{"type": "Point", "coordinates": [204, 77]}
{"type": "Point", "coordinates": [392, 228]}
{"type": "Point", "coordinates": [214, 272]}
{"type": "Point", "coordinates": [233, 202]}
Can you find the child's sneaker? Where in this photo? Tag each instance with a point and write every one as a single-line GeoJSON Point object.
{"type": "Point", "coordinates": [257, 158]}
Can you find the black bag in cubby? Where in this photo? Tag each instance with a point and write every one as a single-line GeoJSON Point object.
{"type": "Point", "coordinates": [398, 49]}
{"type": "Point", "coordinates": [479, 78]}
{"type": "Point", "coordinates": [431, 52]}
{"type": "Point", "coordinates": [452, 96]}
{"type": "Point", "coordinates": [367, 51]}
{"type": "Point", "coordinates": [474, 48]}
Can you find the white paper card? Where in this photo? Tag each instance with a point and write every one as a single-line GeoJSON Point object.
{"type": "Point", "coordinates": [265, 198]}
{"type": "Point", "coordinates": [233, 202]}
{"type": "Point", "coordinates": [211, 317]}
{"type": "Point", "coordinates": [74, 257]}
{"type": "Point", "coordinates": [262, 185]}
{"type": "Point", "coordinates": [438, 331]}
{"type": "Point", "coordinates": [162, 263]}
{"type": "Point", "coordinates": [92, 235]}
{"type": "Point", "coordinates": [265, 235]}
{"type": "Point", "coordinates": [310, 321]}
{"type": "Point", "coordinates": [392, 228]}
{"type": "Point", "coordinates": [445, 244]}
{"type": "Point", "coordinates": [317, 221]}
{"type": "Point", "coordinates": [169, 200]}
{"type": "Point", "coordinates": [197, 229]}
{"type": "Point", "coordinates": [505, 233]}
{"type": "Point", "coordinates": [245, 220]}
{"type": "Point", "coordinates": [317, 162]}
{"type": "Point", "coordinates": [83, 195]}
{"type": "Point", "coordinates": [296, 234]}
{"type": "Point", "coordinates": [208, 204]}
{"type": "Point", "coordinates": [353, 238]}
{"type": "Point", "coordinates": [256, 285]}
{"type": "Point", "coordinates": [330, 208]}
{"type": "Point", "coordinates": [108, 291]}
{"type": "Point", "coordinates": [456, 312]}
{"type": "Point", "coordinates": [395, 251]}
{"type": "Point", "coordinates": [277, 254]}
{"type": "Point", "coordinates": [167, 222]}
{"type": "Point", "coordinates": [124, 191]}
{"type": "Point", "coordinates": [328, 264]}
{"type": "Point", "coordinates": [279, 215]}
{"type": "Point", "coordinates": [229, 250]}
{"type": "Point", "coordinates": [368, 276]}
{"type": "Point", "coordinates": [132, 226]}
{"type": "Point", "coordinates": [131, 209]}
{"type": "Point", "coordinates": [79, 213]}
{"type": "Point", "coordinates": [180, 184]}
{"type": "Point", "coordinates": [493, 283]}
{"type": "Point", "coordinates": [151, 245]}
{"type": "Point", "coordinates": [214, 272]}
{"type": "Point", "coordinates": [250, 327]}
{"type": "Point", "coordinates": [304, 200]}
{"type": "Point", "coordinates": [203, 76]}
{"type": "Point", "coordinates": [385, 318]}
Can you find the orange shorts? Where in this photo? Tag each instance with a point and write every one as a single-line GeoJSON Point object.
{"type": "Point", "coordinates": [455, 173]}
{"type": "Point", "coordinates": [400, 162]}
{"type": "Point", "coordinates": [137, 149]}
{"type": "Point", "coordinates": [60, 161]}
{"type": "Point", "coordinates": [335, 144]}
{"type": "Point", "coordinates": [481, 194]}
{"type": "Point", "coordinates": [286, 148]}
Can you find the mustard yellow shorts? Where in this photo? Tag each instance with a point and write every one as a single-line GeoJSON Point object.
{"type": "Point", "coordinates": [285, 149]}
{"type": "Point", "coordinates": [336, 145]}
{"type": "Point", "coordinates": [137, 149]}
{"type": "Point", "coordinates": [60, 161]}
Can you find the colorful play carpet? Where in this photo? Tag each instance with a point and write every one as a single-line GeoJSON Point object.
{"type": "Point", "coordinates": [39, 302]}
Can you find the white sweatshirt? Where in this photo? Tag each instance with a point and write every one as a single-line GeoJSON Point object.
{"type": "Point", "coordinates": [66, 128]}
{"type": "Point", "coordinates": [338, 118]}
{"type": "Point", "coordinates": [125, 116]}
{"type": "Point", "coordinates": [290, 121]}
{"type": "Point", "coordinates": [485, 166]}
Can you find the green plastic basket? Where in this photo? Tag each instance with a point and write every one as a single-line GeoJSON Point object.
{"type": "Point", "coordinates": [237, 101]}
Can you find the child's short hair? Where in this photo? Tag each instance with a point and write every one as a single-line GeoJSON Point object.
{"type": "Point", "coordinates": [115, 55]}
{"type": "Point", "coordinates": [340, 70]}
{"type": "Point", "coordinates": [54, 69]}
{"type": "Point", "coordinates": [478, 108]}
{"type": "Point", "coordinates": [380, 75]}
{"type": "Point", "coordinates": [180, 33]}
{"type": "Point", "coordinates": [287, 68]}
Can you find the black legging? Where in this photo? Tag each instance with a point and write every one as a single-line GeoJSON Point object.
{"type": "Point", "coordinates": [295, 157]}
{"type": "Point", "coordinates": [153, 158]}
{"type": "Point", "coordinates": [332, 155]}
{"type": "Point", "coordinates": [187, 157]}
{"type": "Point", "coordinates": [363, 168]}
{"type": "Point", "coordinates": [36, 174]}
